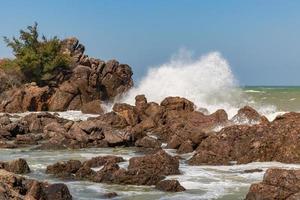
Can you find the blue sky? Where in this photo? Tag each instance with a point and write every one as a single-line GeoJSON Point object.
{"type": "Point", "coordinates": [260, 39]}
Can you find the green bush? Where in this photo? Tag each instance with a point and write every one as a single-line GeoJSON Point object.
{"type": "Point", "coordinates": [38, 59]}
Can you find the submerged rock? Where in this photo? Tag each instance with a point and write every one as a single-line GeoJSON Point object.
{"type": "Point", "coordinates": [145, 170]}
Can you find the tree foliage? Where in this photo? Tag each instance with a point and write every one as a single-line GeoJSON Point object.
{"type": "Point", "coordinates": [38, 59]}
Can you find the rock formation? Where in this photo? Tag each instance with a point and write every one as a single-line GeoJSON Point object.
{"type": "Point", "coordinates": [276, 184]}
{"type": "Point", "coordinates": [84, 85]}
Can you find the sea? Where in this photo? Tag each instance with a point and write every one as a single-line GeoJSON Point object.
{"type": "Point", "coordinates": [208, 81]}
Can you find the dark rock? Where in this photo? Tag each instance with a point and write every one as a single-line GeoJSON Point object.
{"type": "Point", "coordinates": [102, 160]}
{"type": "Point", "coordinates": [109, 195]}
{"type": "Point", "coordinates": [64, 169]}
{"type": "Point", "coordinates": [57, 191]}
{"type": "Point", "coordinates": [19, 188]}
{"type": "Point", "coordinates": [18, 166]}
{"type": "Point", "coordinates": [169, 186]}
{"type": "Point", "coordinates": [159, 163]}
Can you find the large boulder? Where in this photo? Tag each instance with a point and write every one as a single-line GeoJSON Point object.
{"type": "Point", "coordinates": [275, 141]}
{"type": "Point", "coordinates": [276, 184]}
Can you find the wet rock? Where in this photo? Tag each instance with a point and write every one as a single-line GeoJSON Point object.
{"type": "Point", "coordinates": [18, 166]}
{"type": "Point", "coordinates": [186, 147]}
{"type": "Point", "coordinates": [16, 128]}
{"type": "Point", "coordinates": [17, 187]}
{"type": "Point", "coordinates": [64, 169]}
{"type": "Point", "coordinates": [252, 170]}
{"type": "Point", "coordinates": [159, 163]}
{"type": "Point", "coordinates": [247, 115]}
{"type": "Point", "coordinates": [28, 139]}
{"type": "Point", "coordinates": [57, 191]}
{"type": "Point", "coordinates": [274, 141]}
{"type": "Point", "coordinates": [4, 120]}
{"type": "Point", "coordinates": [276, 184]}
{"type": "Point", "coordinates": [109, 195]}
{"type": "Point", "coordinates": [102, 160]}
{"type": "Point", "coordinates": [177, 103]}
{"type": "Point", "coordinates": [148, 142]}
{"type": "Point", "coordinates": [170, 186]}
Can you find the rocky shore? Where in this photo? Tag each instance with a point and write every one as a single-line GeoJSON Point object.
{"type": "Point", "coordinates": [149, 127]}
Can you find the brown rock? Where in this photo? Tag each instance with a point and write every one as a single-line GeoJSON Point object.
{"type": "Point", "coordinates": [169, 186]}
{"type": "Point", "coordinates": [16, 187]}
{"type": "Point", "coordinates": [275, 141]}
{"type": "Point", "coordinates": [159, 163]}
{"type": "Point", "coordinates": [18, 166]}
{"type": "Point", "coordinates": [247, 115]}
{"type": "Point", "coordinates": [177, 103]}
{"type": "Point", "coordinates": [277, 184]}
{"type": "Point", "coordinates": [93, 107]}
{"type": "Point", "coordinates": [64, 169]}
{"type": "Point", "coordinates": [148, 142]}
{"type": "Point", "coordinates": [57, 191]}
{"type": "Point", "coordinates": [102, 160]}
{"type": "Point", "coordinates": [128, 112]}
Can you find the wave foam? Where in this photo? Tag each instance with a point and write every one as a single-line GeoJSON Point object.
{"type": "Point", "coordinates": [207, 81]}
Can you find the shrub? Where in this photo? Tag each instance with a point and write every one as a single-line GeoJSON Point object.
{"type": "Point", "coordinates": [38, 59]}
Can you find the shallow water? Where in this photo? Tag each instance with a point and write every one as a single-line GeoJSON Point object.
{"type": "Point", "coordinates": [201, 182]}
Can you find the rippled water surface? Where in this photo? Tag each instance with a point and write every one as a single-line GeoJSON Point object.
{"type": "Point", "coordinates": [201, 182]}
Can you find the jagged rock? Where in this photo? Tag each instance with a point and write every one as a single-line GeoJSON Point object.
{"type": "Point", "coordinates": [169, 186]}
{"type": "Point", "coordinates": [85, 83]}
{"type": "Point", "coordinates": [64, 169]}
{"type": "Point", "coordinates": [159, 163]}
{"type": "Point", "coordinates": [18, 166]}
{"type": "Point", "coordinates": [128, 112]}
{"type": "Point", "coordinates": [247, 115]}
{"type": "Point", "coordinates": [17, 187]}
{"type": "Point", "coordinates": [276, 184]}
{"type": "Point", "coordinates": [275, 141]}
{"type": "Point", "coordinates": [25, 98]}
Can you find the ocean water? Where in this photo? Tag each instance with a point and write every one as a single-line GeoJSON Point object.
{"type": "Point", "coordinates": [208, 81]}
{"type": "Point", "coordinates": [283, 98]}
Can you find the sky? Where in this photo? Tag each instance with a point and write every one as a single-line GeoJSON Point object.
{"type": "Point", "coordinates": [260, 39]}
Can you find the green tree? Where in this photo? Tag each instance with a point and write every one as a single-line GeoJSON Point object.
{"type": "Point", "coordinates": [40, 60]}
